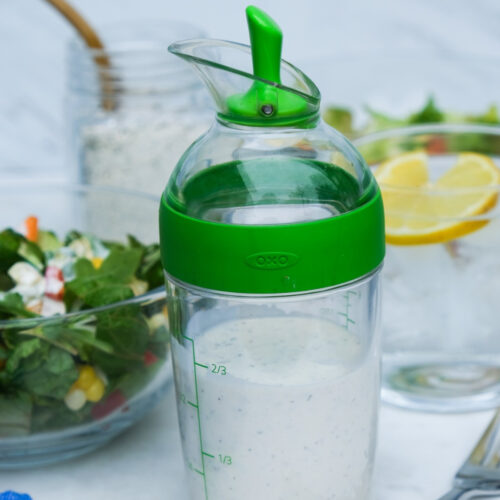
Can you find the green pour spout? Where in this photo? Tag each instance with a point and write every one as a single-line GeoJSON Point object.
{"type": "Point", "coordinates": [265, 99]}
{"type": "Point", "coordinates": [266, 40]}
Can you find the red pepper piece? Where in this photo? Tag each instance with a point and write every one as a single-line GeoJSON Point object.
{"type": "Point", "coordinates": [109, 405]}
{"type": "Point", "coordinates": [54, 283]}
{"type": "Point", "coordinates": [150, 358]}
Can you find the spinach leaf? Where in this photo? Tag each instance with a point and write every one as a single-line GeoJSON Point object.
{"type": "Point", "coordinates": [10, 242]}
{"type": "Point", "coordinates": [150, 268]}
{"type": "Point", "coordinates": [97, 287]}
{"type": "Point", "coordinates": [108, 294]}
{"type": "Point", "coordinates": [126, 330]}
{"type": "Point", "coordinates": [12, 306]}
{"type": "Point", "coordinates": [120, 266]}
{"type": "Point", "coordinates": [53, 377]}
{"type": "Point", "coordinates": [23, 350]}
{"type": "Point", "coordinates": [14, 247]}
{"type": "Point", "coordinates": [39, 368]}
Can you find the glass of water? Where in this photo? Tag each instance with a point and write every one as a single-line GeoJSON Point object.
{"type": "Point", "coordinates": [441, 334]}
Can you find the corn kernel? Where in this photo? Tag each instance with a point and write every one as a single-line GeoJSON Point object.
{"type": "Point", "coordinates": [86, 378]}
{"type": "Point", "coordinates": [97, 262]}
{"type": "Point", "coordinates": [96, 391]}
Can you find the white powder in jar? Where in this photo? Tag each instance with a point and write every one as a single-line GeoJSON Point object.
{"type": "Point", "coordinates": [137, 150]}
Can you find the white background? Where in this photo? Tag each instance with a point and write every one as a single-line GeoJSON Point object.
{"type": "Point", "coordinates": [33, 38]}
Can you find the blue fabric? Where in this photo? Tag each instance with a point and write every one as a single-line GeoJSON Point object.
{"type": "Point", "coordinates": [12, 495]}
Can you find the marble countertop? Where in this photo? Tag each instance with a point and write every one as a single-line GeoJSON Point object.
{"type": "Point", "coordinates": [417, 456]}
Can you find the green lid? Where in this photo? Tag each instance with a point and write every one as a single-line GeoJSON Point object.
{"type": "Point", "coordinates": [218, 233]}
{"type": "Point", "coordinates": [282, 204]}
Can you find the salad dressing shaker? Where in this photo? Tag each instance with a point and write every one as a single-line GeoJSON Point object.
{"type": "Point", "coordinates": [272, 239]}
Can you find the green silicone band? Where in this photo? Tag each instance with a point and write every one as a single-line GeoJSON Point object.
{"type": "Point", "coordinates": [273, 259]}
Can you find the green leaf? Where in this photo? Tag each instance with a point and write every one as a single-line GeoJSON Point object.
{"type": "Point", "coordinates": [126, 330]}
{"type": "Point", "coordinates": [53, 378]}
{"type": "Point", "coordinates": [14, 247]}
{"type": "Point", "coordinates": [48, 241]}
{"type": "Point", "coordinates": [428, 114]}
{"type": "Point", "coordinates": [10, 242]}
{"type": "Point", "coordinates": [72, 236]}
{"type": "Point", "coordinates": [6, 282]}
{"type": "Point", "coordinates": [32, 253]}
{"type": "Point", "coordinates": [120, 266]}
{"type": "Point", "coordinates": [490, 117]}
{"type": "Point", "coordinates": [106, 285]}
{"type": "Point", "coordinates": [150, 268]}
{"type": "Point", "coordinates": [22, 351]}
{"type": "Point", "coordinates": [108, 294]}
{"type": "Point", "coordinates": [12, 306]}
{"type": "Point", "coordinates": [340, 119]}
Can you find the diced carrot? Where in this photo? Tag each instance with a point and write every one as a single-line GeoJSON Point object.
{"type": "Point", "coordinates": [31, 226]}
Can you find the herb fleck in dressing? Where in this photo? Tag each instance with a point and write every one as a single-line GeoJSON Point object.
{"type": "Point", "coordinates": [286, 409]}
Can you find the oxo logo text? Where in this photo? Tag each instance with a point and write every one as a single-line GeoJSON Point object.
{"type": "Point", "coordinates": [271, 260]}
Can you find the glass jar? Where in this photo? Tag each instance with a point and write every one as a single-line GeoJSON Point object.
{"type": "Point", "coordinates": [131, 121]}
{"type": "Point", "coordinates": [441, 343]}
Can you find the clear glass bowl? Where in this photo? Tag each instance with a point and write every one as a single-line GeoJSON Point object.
{"type": "Point", "coordinates": [441, 334]}
{"type": "Point", "coordinates": [36, 427]}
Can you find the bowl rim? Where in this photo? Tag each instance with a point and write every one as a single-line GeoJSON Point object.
{"type": "Point", "coordinates": [430, 129]}
{"type": "Point", "coordinates": [427, 128]}
{"type": "Point", "coordinates": [151, 295]}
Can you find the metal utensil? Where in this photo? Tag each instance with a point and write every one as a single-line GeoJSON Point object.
{"type": "Point", "coordinates": [479, 476]}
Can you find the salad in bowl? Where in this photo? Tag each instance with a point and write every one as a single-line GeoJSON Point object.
{"type": "Point", "coordinates": [84, 342]}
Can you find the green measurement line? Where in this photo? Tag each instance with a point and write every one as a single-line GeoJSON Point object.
{"type": "Point", "coordinates": [202, 472]}
{"type": "Point", "coordinates": [208, 454]}
{"type": "Point", "coordinates": [192, 404]}
{"type": "Point", "coordinates": [348, 304]}
{"type": "Point", "coordinates": [199, 472]}
{"type": "Point", "coordinates": [201, 365]}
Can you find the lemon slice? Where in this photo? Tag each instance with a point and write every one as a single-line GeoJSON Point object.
{"type": "Point", "coordinates": [433, 213]}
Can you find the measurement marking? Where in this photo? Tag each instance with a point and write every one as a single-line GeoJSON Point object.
{"type": "Point", "coordinates": [348, 320]}
{"type": "Point", "coordinates": [202, 472]}
{"type": "Point", "coordinates": [199, 472]}
{"type": "Point", "coordinates": [201, 365]}
{"type": "Point", "coordinates": [192, 404]}
{"type": "Point", "coordinates": [208, 454]}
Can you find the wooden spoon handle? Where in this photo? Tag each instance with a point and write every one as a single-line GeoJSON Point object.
{"type": "Point", "coordinates": [91, 38]}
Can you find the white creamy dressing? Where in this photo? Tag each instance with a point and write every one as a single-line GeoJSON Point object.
{"type": "Point", "coordinates": [287, 409]}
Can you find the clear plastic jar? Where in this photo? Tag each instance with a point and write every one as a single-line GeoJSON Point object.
{"type": "Point", "coordinates": [152, 107]}
{"type": "Point", "coordinates": [271, 234]}
{"type": "Point", "coordinates": [277, 395]}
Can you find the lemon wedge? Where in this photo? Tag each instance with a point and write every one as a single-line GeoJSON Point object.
{"type": "Point", "coordinates": [418, 211]}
